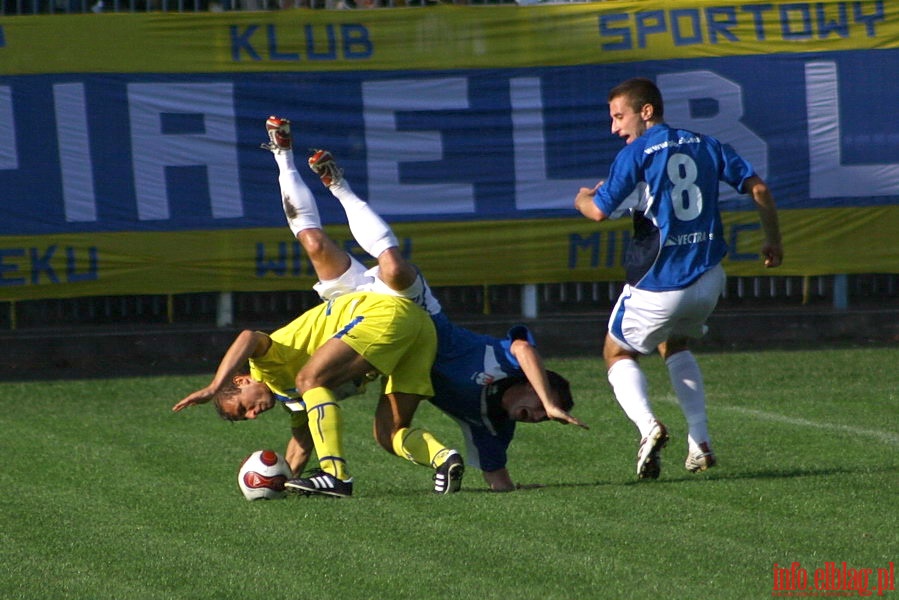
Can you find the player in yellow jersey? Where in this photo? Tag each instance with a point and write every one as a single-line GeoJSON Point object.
{"type": "Point", "coordinates": [303, 364]}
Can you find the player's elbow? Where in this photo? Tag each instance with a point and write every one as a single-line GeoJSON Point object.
{"type": "Point", "coordinates": [757, 188]}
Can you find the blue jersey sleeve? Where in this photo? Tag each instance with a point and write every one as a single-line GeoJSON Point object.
{"type": "Point", "coordinates": [735, 170]}
{"type": "Point", "coordinates": [624, 191]}
{"type": "Point", "coordinates": [518, 332]}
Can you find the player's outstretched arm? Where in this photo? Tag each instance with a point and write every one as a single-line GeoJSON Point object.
{"type": "Point", "coordinates": [532, 366]}
{"type": "Point", "coordinates": [247, 344]}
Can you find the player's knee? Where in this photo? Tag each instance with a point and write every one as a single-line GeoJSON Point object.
{"type": "Point", "coordinates": [612, 352]}
{"type": "Point", "coordinates": [314, 242]}
{"type": "Point", "coordinates": [673, 345]}
{"type": "Point", "coordinates": [395, 271]}
{"type": "Point", "coordinates": [307, 380]}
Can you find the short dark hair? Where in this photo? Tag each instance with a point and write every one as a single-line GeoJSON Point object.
{"type": "Point", "coordinates": [497, 389]}
{"type": "Point", "coordinates": [640, 91]}
{"type": "Point", "coordinates": [563, 389]}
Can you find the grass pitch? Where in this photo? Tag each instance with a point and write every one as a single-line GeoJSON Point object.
{"type": "Point", "coordinates": [108, 494]}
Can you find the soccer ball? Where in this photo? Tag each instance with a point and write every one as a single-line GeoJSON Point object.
{"type": "Point", "coordinates": [262, 475]}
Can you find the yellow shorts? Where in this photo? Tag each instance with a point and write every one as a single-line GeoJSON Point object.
{"type": "Point", "coordinates": [393, 334]}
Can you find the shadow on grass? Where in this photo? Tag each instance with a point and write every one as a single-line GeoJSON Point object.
{"type": "Point", "coordinates": [722, 475]}
{"type": "Point", "coordinates": [705, 478]}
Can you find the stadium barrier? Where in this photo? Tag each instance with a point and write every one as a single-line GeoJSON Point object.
{"type": "Point", "coordinates": [223, 309]}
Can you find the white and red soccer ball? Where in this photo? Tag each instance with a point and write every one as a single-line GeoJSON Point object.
{"type": "Point", "coordinates": [262, 475]}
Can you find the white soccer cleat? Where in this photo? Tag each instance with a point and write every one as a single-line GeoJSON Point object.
{"type": "Point", "coordinates": [700, 459]}
{"type": "Point", "coordinates": [323, 164]}
{"type": "Point", "coordinates": [649, 459]}
{"type": "Point", "coordinates": [278, 131]}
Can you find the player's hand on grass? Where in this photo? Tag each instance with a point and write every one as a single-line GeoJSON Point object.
{"type": "Point", "coordinates": [517, 487]}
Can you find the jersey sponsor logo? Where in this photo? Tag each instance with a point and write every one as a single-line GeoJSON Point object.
{"type": "Point", "coordinates": [671, 144]}
{"type": "Point", "coordinates": [686, 239]}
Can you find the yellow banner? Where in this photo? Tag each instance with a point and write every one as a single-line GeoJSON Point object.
{"type": "Point", "coordinates": [817, 242]}
{"type": "Point", "coordinates": [440, 37]}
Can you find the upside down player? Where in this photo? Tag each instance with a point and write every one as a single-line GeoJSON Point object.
{"type": "Point", "coordinates": [486, 384]}
{"type": "Point", "coordinates": [303, 365]}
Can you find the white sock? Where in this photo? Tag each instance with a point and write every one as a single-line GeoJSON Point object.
{"type": "Point", "coordinates": [631, 391]}
{"type": "Point", "coordinates": [296, 197]}
{"type": "Point", "coordinates": [686, 378]}
{"type": "Point", "coordinates": [371, 232]}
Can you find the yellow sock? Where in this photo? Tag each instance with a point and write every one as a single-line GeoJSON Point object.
{"type": "Point", "coordinates": [326, 426]}
{"type": "Point", "coordinates": [420, 447]}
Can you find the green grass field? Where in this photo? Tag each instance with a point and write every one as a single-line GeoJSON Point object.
{"type": "Point", "coordinates": [107, 494]}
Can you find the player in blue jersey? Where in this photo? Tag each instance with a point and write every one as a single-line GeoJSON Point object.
{"type": "Point", "coordinates": [667, 180]}
{"type": "Point", "coordinates": [486, 384]}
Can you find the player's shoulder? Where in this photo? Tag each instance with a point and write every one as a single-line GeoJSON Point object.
{"type": "Point", "coordinates": [686, 137]}
{"type": "Point", "coordinates": [655, 139]}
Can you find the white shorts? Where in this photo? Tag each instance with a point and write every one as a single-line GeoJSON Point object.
{"type": "Point", "coordinates": [360, 279]}
{"type": "Point", "coordinates": [354, 279]}
{"type": "Point", "coordinates": [641, 320]}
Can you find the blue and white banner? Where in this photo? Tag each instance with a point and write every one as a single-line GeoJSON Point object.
{"type": "Point", "coordinates": [132, 165]}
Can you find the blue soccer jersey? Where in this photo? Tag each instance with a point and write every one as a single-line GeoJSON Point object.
{"type": "Point", "coordinates": [468, 377]}
{"type": "Point", "coordinates": [661, 179]}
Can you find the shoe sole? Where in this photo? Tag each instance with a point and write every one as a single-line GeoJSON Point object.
{"type": "Point", "coordinates": [295, 490]}
{"type": "Point", "coordinates": [700, 468]}
{"type": "Point", "coordinates": [454, 476]}
{"type": "Point", "coordinates": [313, 491]}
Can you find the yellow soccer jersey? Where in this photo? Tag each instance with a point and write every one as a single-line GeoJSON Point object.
{"type": "Point", "coordinates": [393, 334]}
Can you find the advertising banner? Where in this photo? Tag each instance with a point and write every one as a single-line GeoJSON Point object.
{"type": "Point", "coordinates": [130, 159]}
